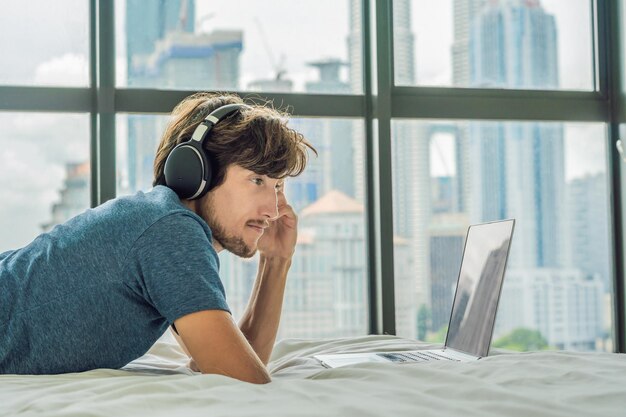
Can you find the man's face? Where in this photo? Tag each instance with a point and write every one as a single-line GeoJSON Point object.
{"type": "Point", "coordinates": [239, 210]}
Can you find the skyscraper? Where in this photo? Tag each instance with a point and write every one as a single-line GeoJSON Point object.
{"type": "Point", "coordinates": [410, 157]}
{"type": "Point", "coordinates": [163, 50]}
{"type": "Point", "coordinates": [148, 21]}
{"type": "Point", "coordinates": [355, 66]}
{"type": "Point", "coordinates": [562, 304]}
{"type": "Point", "coordinates": [411, 164]}
{"type": "Point", "coordinates": [588, 226]}
{"type": "Point", "coordinates": [447, 236]}
{"type": "Point", "coordinates": [464, 12]}
{"type": "Point", "coordinates": [518, 168]}
{"type": "Point", "coordinates": [334, 167]}
{"type": "Point", "coordinates": [326, 294]}
{"type": "Point", "coordinates": [73, 195]}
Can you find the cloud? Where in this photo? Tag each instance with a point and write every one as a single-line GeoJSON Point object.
{"type": "Point", "coordinates": [29, 188]}
{"type": "Point", "coordinates": [69, 70]}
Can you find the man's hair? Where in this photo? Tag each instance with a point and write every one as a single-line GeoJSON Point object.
{"type": "Point", "coordinates": [255, 138]}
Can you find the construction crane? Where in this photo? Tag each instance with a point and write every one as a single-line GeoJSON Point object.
{"type": "Point", "coordinates": [277, 67]}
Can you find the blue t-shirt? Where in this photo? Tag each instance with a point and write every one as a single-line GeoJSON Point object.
{"type": "Point", "coordinates": [100, 289]}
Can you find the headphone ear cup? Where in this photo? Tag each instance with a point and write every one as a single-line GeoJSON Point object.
{"type": "Point", "coordinates": [186, 172]}
{"type": "Point", "coordinates": [188, 168]}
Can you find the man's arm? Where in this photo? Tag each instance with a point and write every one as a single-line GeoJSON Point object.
{"type": "Point", "coordinates": [217, 346]}
{"type": "Point", "coordinates": [260, 321]}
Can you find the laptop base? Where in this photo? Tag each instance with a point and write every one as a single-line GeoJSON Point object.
{"type": "Point", "coordinates": [400, 357]}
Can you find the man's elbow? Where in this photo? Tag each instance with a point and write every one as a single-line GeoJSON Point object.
{"type": "Point", "coordinates": [257, 378]}
{"type": "Point", "coordinates": [266, 379]}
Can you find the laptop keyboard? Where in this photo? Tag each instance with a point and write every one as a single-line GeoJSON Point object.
{"type": "Point", "coordinates": [415, 357]}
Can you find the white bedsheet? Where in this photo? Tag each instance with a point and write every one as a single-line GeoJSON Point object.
{"type": "Point", "coordinates": [160, 384]}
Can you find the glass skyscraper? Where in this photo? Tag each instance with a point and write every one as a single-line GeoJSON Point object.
{"type": "Point", "coordinates": [164, 51]}
{"type": "Point", "coordinates": [518, 171]}
{"type": "Point", "coordinates": [518, 168]}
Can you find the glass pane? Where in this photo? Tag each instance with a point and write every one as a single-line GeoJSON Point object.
{"type": "Point", "coordinates": [45, 43]}
{"type": "Point", "coordinates": [519, 44]}
{"type": "Point", "coordinates": [44, 173]}
{"type": "Point", "coordinates": [136, 144]}
{"type": "Point", "coordinates": [240, 45]}
{"type": "Point", "coordinates": [550, 177]}
{"type": "Point", "coordinates": [326, 293]}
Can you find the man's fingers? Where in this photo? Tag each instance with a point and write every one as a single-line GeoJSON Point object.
{"type": "Point", "coordinates": [284, 209]}
{"type": "Point", "coordinates": [282, 198]}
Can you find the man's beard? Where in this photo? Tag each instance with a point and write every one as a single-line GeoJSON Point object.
{"type": "Point", "coordinates": [231, 243]}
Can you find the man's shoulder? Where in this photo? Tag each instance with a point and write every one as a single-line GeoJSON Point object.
{"type": "Point", "coordinates": [124, 219]}
{"type": "Point", "coordinates": [160, 211]}
{"type": "Point", "coordinates": [143, 208]}
{"type": "Point", "coordinates": [159, 198]}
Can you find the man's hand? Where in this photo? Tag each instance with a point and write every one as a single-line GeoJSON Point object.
{"type": "Point", "coordinates": [279, 239]}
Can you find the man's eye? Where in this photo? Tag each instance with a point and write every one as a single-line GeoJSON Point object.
{"type": "Point", "coordinates": [258, 181]}
{"type": "Point", "coordinates": [279, 186]}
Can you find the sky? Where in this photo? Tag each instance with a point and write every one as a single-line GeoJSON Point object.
{"type": "Point", "coordinates": [50, 48]}
{"type": "Point", "coordinates": [59, 56]}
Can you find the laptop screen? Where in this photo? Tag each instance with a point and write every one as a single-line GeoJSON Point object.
{"type": "Point", "coordinates": [478, 287]}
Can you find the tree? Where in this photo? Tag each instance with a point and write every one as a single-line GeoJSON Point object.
{"type": "Point", "coordinates": [423, 320]}
{"type": "Point", "coordinates": [522, 340]}
{"type": "Point", "coordinates": [439, 336]}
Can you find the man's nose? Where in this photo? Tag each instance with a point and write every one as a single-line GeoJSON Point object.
{"type": "Point", "coordinates": [270, 206]}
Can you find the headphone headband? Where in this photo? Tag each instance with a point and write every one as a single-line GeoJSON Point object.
{"type": "Point", "coordinates": [188, 168]}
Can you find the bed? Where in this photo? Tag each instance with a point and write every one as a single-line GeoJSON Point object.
{"type": "Point", "coordinates": [504, 384]}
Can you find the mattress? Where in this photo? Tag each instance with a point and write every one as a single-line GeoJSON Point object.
{"type": "Point", "coordinates": [547, 383]}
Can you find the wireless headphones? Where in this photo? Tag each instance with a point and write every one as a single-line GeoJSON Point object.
{"type": "Point", "coordinates": [189, 168]}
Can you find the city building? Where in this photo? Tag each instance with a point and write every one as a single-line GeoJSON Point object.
{"type": "Point", "coordinates": [73, 197]}
{"type": "Point", "coordinates": [334, 167]}
{"type": "Point", "coordinates": [464, 13]}
{"type": "Point", "coordinates": [588, 227]}
{"type": "Point", "coordinates": [326, 294]}
{"type": "Point", "coordinates": [159, 51]}
{"type": "Point", "coordinates": [517, 169]}
{"type": "Point", "coordinates": [146, 23]}
{"type": "Point", "coordinates": [564, 305]}
{"type": "Point", "coordinates": [447, 238]}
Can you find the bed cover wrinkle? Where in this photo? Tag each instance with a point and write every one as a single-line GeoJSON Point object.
{"type": "Point", "coordinates": [160, 384]}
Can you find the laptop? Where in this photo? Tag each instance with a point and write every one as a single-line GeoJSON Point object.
{"type": "Point", "coordinates": [473, 314]}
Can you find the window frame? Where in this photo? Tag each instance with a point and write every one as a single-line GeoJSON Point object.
{"type": "Point", "coordinates": [380, 102]}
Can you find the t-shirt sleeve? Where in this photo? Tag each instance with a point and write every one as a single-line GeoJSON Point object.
{"type": "Point", "coordinates": [177, 268]}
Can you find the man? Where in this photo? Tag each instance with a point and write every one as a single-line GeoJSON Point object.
{"type": "Point", "coordinates": [100, 289]}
